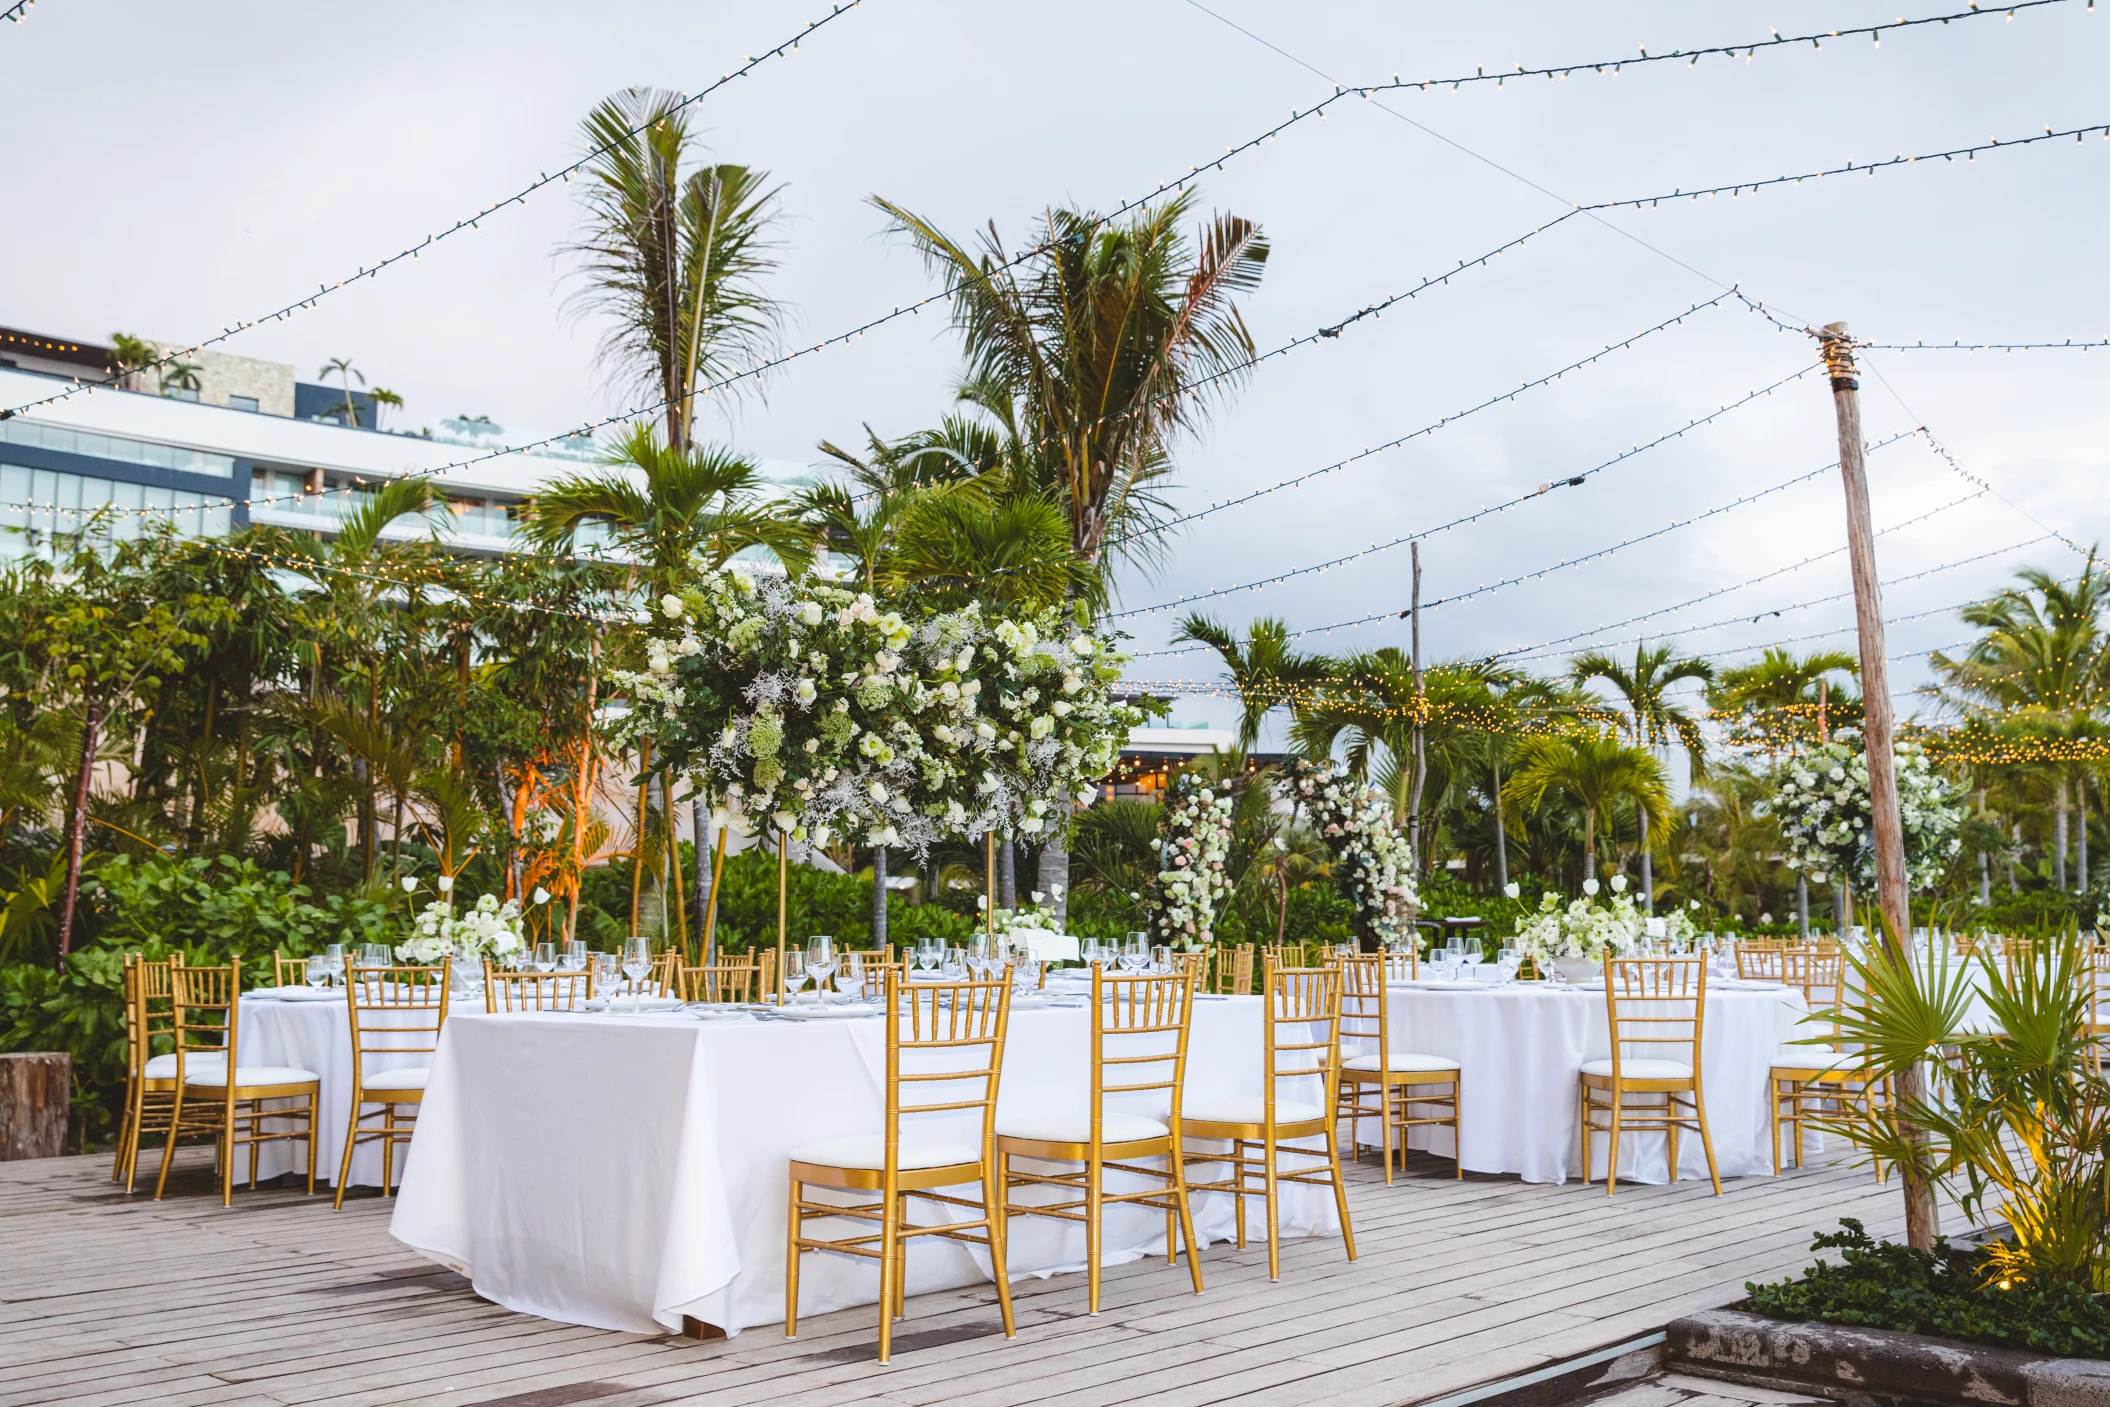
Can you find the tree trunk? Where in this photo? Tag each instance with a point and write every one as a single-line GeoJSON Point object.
{"type": "Point", "coordinates": [1589, 846]}
{"type": "Point", "coordinates": [1648, 874]}
{"type": "Point", "coordinates": [700, 823]}
{"type": "Point", "coordinates": [1985, 861]}
{"type": "Point", "coordinates": [879, 937]}
{"type": "Point", "coordinates": [637, 836]}
{"type": "Point", "coordinates": [2059, 835]}
{"type": "Point", "coordinates": [1501, 836]}
{"type": "Point", "coordinates": [1007, 873]}
{"type": "Point", "coordinates": [77, 823]}
{"type": "Point", "coordinates": [1802, 905]}
{"type": "Point", "coordinates": [35, 1090]}
{"type": "Point", "coordinates": [2080, 811]}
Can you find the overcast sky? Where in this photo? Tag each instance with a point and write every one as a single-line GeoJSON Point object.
{"type": "Point", "coordinates": [175, 167]}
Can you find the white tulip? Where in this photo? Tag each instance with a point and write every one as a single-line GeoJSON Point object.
{"type": "Point", "coordinates": [410, 884]}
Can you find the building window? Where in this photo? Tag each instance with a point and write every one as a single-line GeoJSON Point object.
{"type": "Point", "coordinates": [41, 505]}
{"type": "Point", "coordinates": [67, 441]}
{"type": "Point", "coordinates": [247, 403]}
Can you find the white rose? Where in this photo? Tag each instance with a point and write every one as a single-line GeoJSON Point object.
{"type": "Point", "coordinates": [810, 613]}
{"type": "Point", "coordinates": [804, 692]}
{"type": "Point", "coordinates": [985, 732]}
{"type": "Point", "coordinates": [671, 604]}
{"type": "Point", "coordinates": [1082, 645]}
{"type": "Point", "coordinates": [785, 820]}
{"type": "Point", "coordinates": [1059, 708]}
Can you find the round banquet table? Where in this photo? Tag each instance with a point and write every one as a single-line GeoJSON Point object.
{"type": "Point", "coordinates": [1521, 1047]}
{"type": "Point", "coordinates": [317, 1035]}
{"type": "Point", "coordinates": [623, 1172]}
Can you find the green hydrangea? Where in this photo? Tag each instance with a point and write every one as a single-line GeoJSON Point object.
{"type": "Point", "coordinates": [765, 735]}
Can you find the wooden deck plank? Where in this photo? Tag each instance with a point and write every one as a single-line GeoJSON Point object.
{"type": "Point", "coordinates": [106, 1299]}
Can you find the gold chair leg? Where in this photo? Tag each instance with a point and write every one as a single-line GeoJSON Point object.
{"type": "Point", "coordinates": [351, 1141]}
{"type": "Point", "coordinates": [791, 1265]}
{"type": "Point", "coordinates": [1458, 1125]}
{"type": "Point", "coordinates": [1585, 1108]}
{"type": "Point", "coordinates": [1699, 1110]}
{"type": "Point", "coordinates": [1670, 1133]}
{"type": "Point", "coordinates": [889, 1267]}
{"type": "Point", "coordinates": [314, 1114]}
{"type": "Point", "coordinates": [999, 1259]}
{"type": "Point", "coordinates": [1340, 1194]}
{"type": "Point", "coordinates": [1185, 1212]}
{"type": "Point", "coordinates": [1611, 1175]}
{"type": "Point", "coordinates": [168, 1144]}
{"type": "Point", "coordinates": [1274, 1230]}
{"type": "Point", "coordinates": [1386, 1090]}
{"type": "Point", "coordinates": [1092, 1230]}
{"type": "Point", "coordinates": [226, 1147]}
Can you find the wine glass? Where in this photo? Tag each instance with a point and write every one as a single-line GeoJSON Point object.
{"type": "Point", "coordinates": [794, 975]}
{"type": "Point", "coordinates": [574, 958]}
{"type": "Point", "coordinates": [1161, 960]}
{"type": "Point", "coordinates": [1511, 958]}
{"type": "Point", "coordinates": [607, 975]}
{"type": "Point", "coordinates": [820, 962]}
{"type": "Point", "coordinates": [954, 965]}
{"type": "Point", "coordinates": [929, 953]}
{"type": "Point", "coordinates": [545, 957]}
{"type": "Point", "coordinates": [1135, 953]}
{"type": "Point", "coordinates": [1025, 974]}
{"type": "Point", "coordinates": [850, 976]}
{"type": "Point", "coordinates": [318, 972]}
{"type": "Point", "coordinates": [333, 954]}
{"type": "Point", "coordinates": [637, 961]}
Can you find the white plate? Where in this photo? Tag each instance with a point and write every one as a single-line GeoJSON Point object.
{"type": "Point", "coordinates": [296, 994]}
{"type": "Point", "coordinates": [630, 1006]}
{"type": "Point", "coordinates": [827, 1013]}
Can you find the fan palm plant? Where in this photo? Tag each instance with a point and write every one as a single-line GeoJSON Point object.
{"type": "Point", "coordinates": [1265, 670]}
{"type": "Point", "coordinates": [675, 257]}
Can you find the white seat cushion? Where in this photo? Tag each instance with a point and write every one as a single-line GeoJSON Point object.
{"type": "Point", "coordinates": [1075, 1126]}
{"type": "Point", "coordinates": [1246, 1109]}
{"type": "Point", "coordinates": [1402, 1060]}
{"type": "Point", "coordinates": [163, 1067]}
{"type": "Point", "coordinates": [248, 1075]}
{"type": "Point", "coordinates": [396, 1079]}
{"type": "Point", "coordinates": [867, 1151]}
{"type": "Point", "coordinates": [1640, 1069]}
{"type": "Point", "coordinates": [1816, 1057]}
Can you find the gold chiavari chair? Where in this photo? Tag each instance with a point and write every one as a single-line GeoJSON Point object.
{"type": "Point", "coordinates": [876, 975]}
{"type": "Point", "coordinates": [1759, 958]}
{"type": "Point", "coordinates": [2013, 948]}
{"type": "Point", "coordinates": [215, 1093]}
{"type": "Point", "coordinates": [288, 972]}
{"type": "Point", "coordinates": [395, 1011]}
{"type": "Point", "coordinates": [940, 1040]}
{"type": "Point", "coordinates": [2095, 976]}
{"type": "Point", "coordinates": [766, 989]}
{"type": "Point", "coordinates": [666, 971]}
{"type": "Point", "coordinates": [507, 990]}
{"type": "Point", "coordinates": [1818, 1081]}
{"type": "Point", "coordinates": [1403, 964]}
{"type": "Point", "coordinates": [1300, 1034]}
{"type": "Point", "coordinates": [1200, 965]}
{"type": "Point", "coordinates": [719, 982]}
{"type": "Point", "coordinates": [1382, 1082]}
{"type": "Point", "coordinates": [1240, 978]}
{"type": "Point", "coordinates": [1964, 945]}
{"type": "Point", "coordinates": [150, 1078]}
{"type": "Point", "coordinates": [1139, 1056]}
{"type": "Point", "coordinates": [884, 953]}
{"type": "Point", "coordinates": [1659, 1004]}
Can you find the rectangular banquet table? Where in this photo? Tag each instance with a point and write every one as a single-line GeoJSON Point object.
{"type": "Point", "coordinates": [625, 1171]}
{"type": "Point", "coordinates": [1521, 1046]}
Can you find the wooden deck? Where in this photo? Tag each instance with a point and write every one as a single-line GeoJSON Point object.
{"type": "Point", "coordinates": [105, 1299]}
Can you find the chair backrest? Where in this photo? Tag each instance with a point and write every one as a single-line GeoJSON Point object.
{"type": "Point", "coordinates": [288, 972]}
{"type": "Point", "coordinates": [414, 1000]}
{"type": "Point", "coordinates": [1657, 1004]}
{"type": "Point", "coordinates": [1759, 959]}
{"type": "Point", "coordinates": [1131, 1018]}
{"type": "Point", "coordinates": [766, 976]}
{"type": "Point", "coordinates": [882, 954]}
{"type": "Point", "coordinates": [2095, 976]}
{"type": "Point", "coordinates": [535, 991]}
{"type": "Point", "coordinates": [666, 970]}
{"type": "Point", "coordinates": [1963, 944]}
{"type": "Point", "coordinates": [1241, 976]}
{"type": "Point", "coordinates": [1364, 1023]}
{"type": "Point", "coordinates": [1300, 1026]}
{"type": "Point", "coordinates": [2012, 948]}
{"type": "Point", "coordinates": [876, 974]}
{"type": "Point", "coordinates": [944, 1052]}
{"type": "Point", "coordinates": [1817, 972]}
{"type": "Point", "coordinates": [1200, 965]}
{"type": "Point", "coordinates": [207, 1005]}
{"type": "Point", "coordinates": [719, 982]}
{"type": "Point", "coordinates": [1405, 964]}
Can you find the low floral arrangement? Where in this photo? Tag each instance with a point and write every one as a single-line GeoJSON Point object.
{"type": "Point", "coordinates": [488, 929]}
{"type": "Point", "coordinates": [1821, 802]}
{"type": "Point", "coordinates": [822, 710]}
{"type": "Point", "coordinates": [1194, 839]}
{"type": "Point", "coordinates": [1373, 867]}
{"type": "Point", "coordinates": [1038, 916]}
{"type": "Point", "coordinates": [1583, 928]}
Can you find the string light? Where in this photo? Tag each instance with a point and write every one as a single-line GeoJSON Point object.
{"type": "Point", "coordinates": [2069, 345]}
{"type": "Point", "coordinates": [471, 222]}
{"type": "Point", "coordinates": [18, 12]}
{"type": "Point", "coordinates": [1569, 481]}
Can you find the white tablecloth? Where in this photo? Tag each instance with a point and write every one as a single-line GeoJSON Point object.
{"type": "Point", "coordinates": [317, 1035]}
{"type": "Point", "coordinates": [622, 1172]}
{"type": "Point", "coordinates": [1522, 1045]}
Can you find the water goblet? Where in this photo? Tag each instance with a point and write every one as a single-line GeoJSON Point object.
{"type": "Point", "coordinates": [334, 955]}
{"type": "Point", "coordinates": [1025, 974]}
{"type": "Point", "coordinates": [929, 953]}
{"type": "Point", "coordinates": [953, 967]}
{"type": "Point", "coordinates": [574, 959]}
{"type": "Point", "coordinates": [1161, 960]}
{"type": "Point", "coordinates": [607, 975]}
{"type": "Point", "coordinates": [637, 961]}
{"type": "Point", "coordinates": [820, 962]}
{"type": "Point", "coordinates": [318, 972]}
{"type": "Point", "coordinates": [545, 957]}
{"type": "Point", "coordinates": [850, 976]}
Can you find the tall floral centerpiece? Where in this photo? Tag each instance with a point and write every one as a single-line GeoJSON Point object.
{"type": "Point", "coordinates": [1821, 801]}
{"type": "Point", "coordinates": [1373, 867]}
{"type": "Point", "coordinates": [487, 929]}
{"type": "Point", "coordinates": [1576, 937]}
{"type": "Point", "coordinates": [1194, 839]}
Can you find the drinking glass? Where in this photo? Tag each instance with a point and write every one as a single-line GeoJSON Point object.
{"type": "Point", "coordinates": [318, 972]}
{"type": "Point", "coordinates": [607, 975]}
{"type": "Point", "coordinates": [1509, 961]}
{"type": "Point", "coordinates": [850, 976]}
{"type": "Point", "coordinates": [1135, 953]}
{"type": "Point", "coordinates": [1161, 960]}
{"type": "Point", "coordinates": [929, 953]}
{"type": "Point", "coordinates": [954, 965]}
{"type": "Point", "coordinates": [1093, 952]}
{"type": "Point", "coordinates": [1025, 974]}
{"type": "Point", "coordinates": [637, 961]}
{"type": "Point", "coordinates": [574, 959]}
{"type": "Point", "coordinates": [545, 957]}
{"type": "Point", "coordinates": [794, 975]}
{"type": "Point", "coordinates": [334, 956]}
{"type": "Point", "coordinates": [820, 962]}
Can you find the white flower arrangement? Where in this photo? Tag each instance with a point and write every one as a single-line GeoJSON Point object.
{"type": "Point", "coordinates": [1037, 916]}
{"type": "Point", "coordinates": [825, 710]}
{"type": "Point", "coordinates": [1821, 802]}
{"type": "Point", "coordinates": [1373, 867]}
{"type": "Point", "coordinates": [1194, 840]}
{"type": "Point", "coordinates": [1584, 928]}
{"type": "Point", "coordinates": [487, 929]}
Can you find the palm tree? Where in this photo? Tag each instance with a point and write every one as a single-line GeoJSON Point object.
{"type": "Point", "coordinates": [1099, 347]}
{"type": "Point", "coordinates": [382, 396]}
{"type": "Point", "coordinates": [675, 257]}
{"type": "Point", "coordinates": [343, 369]}
{"type": "Point", "coordinates": [2044, 662]}
{"type": "Point", "coordinates": [1596, 773]}
{"type": "Point", "coordinates": [1651, 718]}
{"type": "Point", "coordinates": [1265, 671]}
{"type": "Point", "coordinates": [179, 376]}
{"type": "Point", "coordinates": [1784, 701]}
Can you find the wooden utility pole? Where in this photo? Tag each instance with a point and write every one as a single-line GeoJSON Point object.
{"type": "Point", "coordinates": [1878, 731]}
{"type": "Point", "coordinates": [1421, 705]}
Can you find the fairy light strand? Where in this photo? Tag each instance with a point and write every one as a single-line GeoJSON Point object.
{"type": "Point", "coordinates": [413, 251]}
{"type": "Point", "coordinates": [18, 12]}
